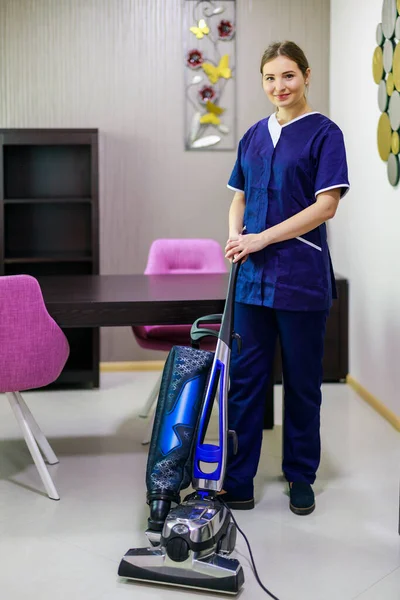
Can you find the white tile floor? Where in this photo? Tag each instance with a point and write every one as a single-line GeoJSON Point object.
{"type": "Point", "coordinates": [348, 548]}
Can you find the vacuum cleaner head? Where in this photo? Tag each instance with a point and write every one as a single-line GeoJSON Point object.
{"type": "Point", "coordinates": [197, 537]}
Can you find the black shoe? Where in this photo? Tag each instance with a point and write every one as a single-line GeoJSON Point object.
{"type": "Point", "coordinates": [302, 500]}
{"type": "Point", "coordinates": [235, 503]}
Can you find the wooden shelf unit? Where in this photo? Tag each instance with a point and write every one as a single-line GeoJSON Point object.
{"type": "Point", "coordinates": [49, 221]}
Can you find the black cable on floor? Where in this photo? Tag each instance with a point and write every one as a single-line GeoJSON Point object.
{"type": "Point", "coordinates": [250, 552]}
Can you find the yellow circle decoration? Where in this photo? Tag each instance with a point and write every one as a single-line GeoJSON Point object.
{"type": "Point", "coordinates": [396, 67]}
{"type": "Point", "coordinates": [395, 142]}
{"type": "Point", "coordinates": [386, 74]}
{"type": "Point", "coordinates": [390, 84]}
{"type": "Point", "coordinates": [377, 64]}
{"type": "Point", "coordinates": [384, 136]}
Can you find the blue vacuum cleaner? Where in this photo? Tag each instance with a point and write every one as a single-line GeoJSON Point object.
{"type": "Point", "coordinates": [191, 541]}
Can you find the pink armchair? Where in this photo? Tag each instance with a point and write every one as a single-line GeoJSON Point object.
{"type": "Point", "coordinates": [33, 352]}
{"type": "Point", "coordinates": [177, 256]}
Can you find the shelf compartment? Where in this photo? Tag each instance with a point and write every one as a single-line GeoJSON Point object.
{"type": "Point", "coordinates": [81, 348]}
{"type": "Point", "coordinates": [45, 171]}
{"type": "Point", "coordinates": [37, 269]}
{"type": "Point", "coordinates": [49, 258]}
{"type": "Point", "coordinates": [58, 200]}
{"type": "Point", "coordinates": [76, 377]}
{"type": "Point", "coordinates": [40, 231]}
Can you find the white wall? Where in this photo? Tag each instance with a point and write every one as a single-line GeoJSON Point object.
{"type": "Point", "coordinates": [365, 234]}
{"type": "Point", "coordinates": [117, 65]}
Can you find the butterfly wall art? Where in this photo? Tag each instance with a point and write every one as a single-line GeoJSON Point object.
{"type": "Point", "coordinates": [209, 68]}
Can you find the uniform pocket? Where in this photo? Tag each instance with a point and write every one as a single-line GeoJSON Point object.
{"type": "Point", "coordinates": [301, 265]}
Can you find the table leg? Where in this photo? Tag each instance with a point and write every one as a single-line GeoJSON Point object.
{"type": "Point", "coordinates": [269, 405]}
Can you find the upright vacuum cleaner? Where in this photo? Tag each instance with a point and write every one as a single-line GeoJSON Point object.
{"type": "Point", "coordinates": [192, 541]}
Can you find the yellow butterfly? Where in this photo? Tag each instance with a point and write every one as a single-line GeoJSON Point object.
{"type": "Point", "coordinates": [212, 115]}
{"type": "Point", "coordinates": [222, 70]}
{"type": "Point", "coordinates": [201, 30]}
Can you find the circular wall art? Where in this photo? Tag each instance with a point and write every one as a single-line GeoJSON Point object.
{"type": "Point", "coordinates": [386, 74]}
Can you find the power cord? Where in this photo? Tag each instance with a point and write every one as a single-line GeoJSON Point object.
{"type": "Point", "coordinates": [250, 551]}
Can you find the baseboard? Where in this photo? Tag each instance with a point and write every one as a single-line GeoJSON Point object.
{"type": "Point", "coordinates": [158, 365]}
{"type": "Point", "coordinates": [376, 404]}
{"type": "Point", "coordinates": [138, 365]}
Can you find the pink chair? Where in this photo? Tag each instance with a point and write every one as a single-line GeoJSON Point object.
{"type": "Point", "coordinates": [33, 352]}
{"type": "Point", "coordinates": [174, 257]}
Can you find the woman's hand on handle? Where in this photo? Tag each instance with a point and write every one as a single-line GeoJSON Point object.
{"type": "Point", "coordinates": [240, 247]}
{"type": "Point", "coordinates": [236, 214]}
{"type": "Point", "coordinates": [232, 239]}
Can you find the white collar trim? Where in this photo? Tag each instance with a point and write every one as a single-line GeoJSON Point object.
{"type": "Point", "coordinates": [273, 116]}
{"type": "Point", "coordinates": [275, 128]}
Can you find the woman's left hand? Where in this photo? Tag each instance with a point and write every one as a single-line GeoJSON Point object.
{"type": "Point", "coordinates": [244, 245]}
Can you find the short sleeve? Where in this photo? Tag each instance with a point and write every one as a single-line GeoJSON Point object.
{"type": "Point", "coordinates": [332, 164]}
{"type": "Point", "coordinates": [236, 180]}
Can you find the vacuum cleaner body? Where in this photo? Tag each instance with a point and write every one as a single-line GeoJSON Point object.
{"type": "Point", "coordinates": [169, 464]}
{"type": "Point", "coordinates": [191, 542]}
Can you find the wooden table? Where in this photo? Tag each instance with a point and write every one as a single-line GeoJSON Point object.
{"type": "Point", "coordinates": [121, 300]}
{"type": "Point", "coordinates": [94, 301]}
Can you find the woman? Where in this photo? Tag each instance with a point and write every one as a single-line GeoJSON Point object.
{"type": "Point", "coordinates": [288, 179]}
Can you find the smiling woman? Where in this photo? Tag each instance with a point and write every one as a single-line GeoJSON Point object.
{"type": "Point", "coordinates": [289, 176]}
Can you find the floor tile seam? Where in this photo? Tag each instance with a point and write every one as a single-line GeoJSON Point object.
{"type": "Point", "coordinates": [376, 582]}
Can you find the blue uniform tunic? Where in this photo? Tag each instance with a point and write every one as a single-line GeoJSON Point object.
{"type": "Point", "coordinates": [281, 170]}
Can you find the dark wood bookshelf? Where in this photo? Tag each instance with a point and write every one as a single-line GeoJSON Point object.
{"type": "Point", "coordinates": [49, 221]}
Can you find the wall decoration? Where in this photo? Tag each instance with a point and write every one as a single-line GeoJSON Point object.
{"type": "Point", "coordinates": [209, 33]}
{"type": "Point", "coordinates": [386, 74]}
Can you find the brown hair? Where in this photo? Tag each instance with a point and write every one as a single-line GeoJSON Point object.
{"type": "Point", "coordinates": [288, 49]}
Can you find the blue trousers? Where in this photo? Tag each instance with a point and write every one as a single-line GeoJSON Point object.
{"type": "Point", "coordinates": [301, 335]}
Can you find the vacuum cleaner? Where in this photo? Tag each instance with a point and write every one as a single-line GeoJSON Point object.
{"type": "Point", "coordinates": [191, 540]}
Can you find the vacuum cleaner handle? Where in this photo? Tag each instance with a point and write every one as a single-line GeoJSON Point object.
{"type": "Point", "coordinates": [226, 331]}
{"type": "Point", "coordinates": [219, 380]}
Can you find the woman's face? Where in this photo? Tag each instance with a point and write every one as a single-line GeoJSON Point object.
{"type": "Point", "coordinates": [283, 82]}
